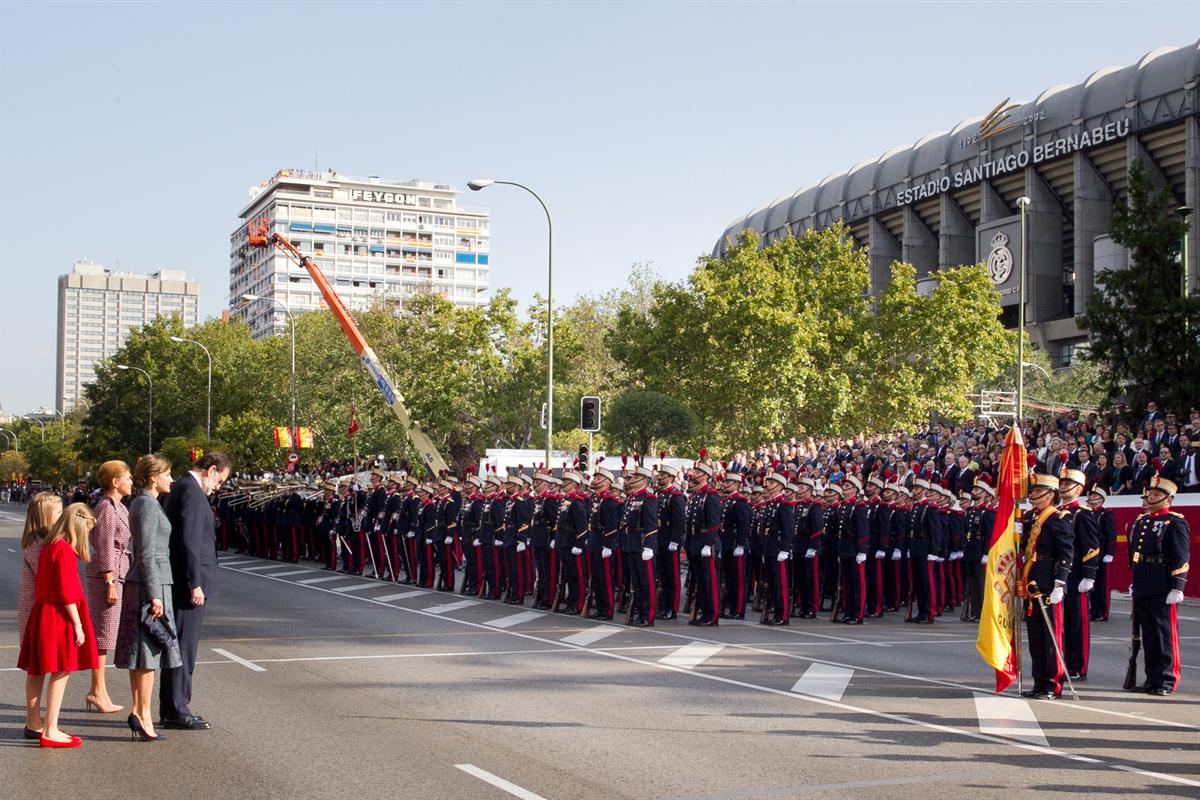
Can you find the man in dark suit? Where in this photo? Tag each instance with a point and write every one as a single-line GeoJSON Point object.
{"type": "Point", "coordinates": [194, 565]}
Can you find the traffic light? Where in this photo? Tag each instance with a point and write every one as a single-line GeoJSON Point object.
{"type": "Point", "coordinates": [583, 457]}
{"type": "Point", "coordinates": [589, 414]}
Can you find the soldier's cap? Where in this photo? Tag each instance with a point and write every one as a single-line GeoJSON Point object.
{"type": "Point", "coordinates": [777, 477]}
{"type": "Point", "coordinates": [1097, 489]}
{"type": "Point", "coordinates": [427, 488]}
{"type": "Point", "coordinates": [920, 482]}
{"type": "Point", "coordinates": [412, 479]}
{"type": "Point", "coordinates": [601, 472]}
{"type": "Point", "coordinates": [892, 487]}
{"type": "Point", "coordinates": [833, 487]}
{"type": "Point", "coordinates": [1043, 481]}
{"type": "Point", "coordinates": [494, 480]}
{"type": "Point", "coordinates": [448, 483]}
{"type": "Point", "coordinates": [378, 473]}
{"type": "Point", "coordinates": [642, 472]}
{"type": "Point", "coordinates": [852, 480]}
{"type": "Point", "coordinates": [732, 477]}
{"type": "Point", "coordinates": [986, 487]}
{"type": "Point", "coordinates": [878, 481]}
{"type": "Point", "coordinates": [791, 487]}
{"type": "Point", "coordinates": [705, 468]}
{"type": "Point", "coordinates": [667, 469]}
{"type": "Point", "coordinates": [1073, 475]}
{"type": "Point", "coordinates": [619, 484]}
{"type": "Point", "coordinates": [516, 478]}
{"type": "Point", "coordinates": [553, 481]}
{"type": "Point", "coordinates": [396, 478]}
{"type": "Point", "coordinates": [903, 490]}
{"type": "Point", "coordinates": [808, 481]}
{"type": "Point", "coordinates": [755, 489]}
{"type": "Point", "coordinates": [1163, 485]}
{"type": "Point", "coordinates": [573, 476]}
{"type": "Point", "coordinates": [542, 475]}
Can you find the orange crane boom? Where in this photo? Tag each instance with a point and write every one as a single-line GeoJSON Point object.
{"type": "Point", "coordinates": [260, 237]}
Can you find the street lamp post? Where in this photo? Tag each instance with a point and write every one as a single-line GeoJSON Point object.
{"type": "Point", "coordinates": [150, 418]}
{"type": "Point", "coordinates": [39, 422]}
{"type": "Point", "coordinates": [64, 424]}
{"type": "Point", "coordinates": [250, 298]}
{"type": "Point", "coordinates": [1184, 213]}
{"type": "Point", "coordinates": [16, 441]}
{"type": "Point", "coordinates": [482, 183]}
{"type": "Point", "coordinates": [208, 418]}
{"type": "Point", "coordinates": [1023, 202]}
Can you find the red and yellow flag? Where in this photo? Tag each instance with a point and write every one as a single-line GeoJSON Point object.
{"type": "Point", "coordinates": [304, 437]}
{"type": "Point", "coordinates": [996, 640]}
{"type": "Point", "coordinates": [283, 436]}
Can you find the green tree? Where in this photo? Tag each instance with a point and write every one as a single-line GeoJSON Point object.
{"type": "Point", "coordinates": [642, 420]}
{"type": "Point", "coordinates": [1143, 332]}
{"type": "Point", "coordinates": [12, 464]}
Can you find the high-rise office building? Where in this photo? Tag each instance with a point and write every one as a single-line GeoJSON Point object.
{"type": "Point", "coordinates": [374, 240]}
{"type": "Point", "coordinates": [96, 309]}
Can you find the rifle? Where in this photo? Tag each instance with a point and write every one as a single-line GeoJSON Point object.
{"type": "Point", "coordinates": [1062, 662]}
{"type": "Point", "coordinates": [1135, 647]}
{"type": "Point", "coordinates": [689, 592]}
{"type": "Point", "coordinates": [559, 588]}
{"type": "Point", "coordinates": [837, 597]}
{"type": "Point", "coordinates": [760, 596]}
{"type": "Point", "coordinates": [632, 598]}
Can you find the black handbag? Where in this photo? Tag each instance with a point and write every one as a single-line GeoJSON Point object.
{"type": "Point", "coordinates": [160, 629]}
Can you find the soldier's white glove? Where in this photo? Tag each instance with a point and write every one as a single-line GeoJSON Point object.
{"type": "Point", "coordinates": [647, 554]}
{"type": "Point", "coordinates": [605, 552]}
{"type": "Point", "coordinates": [1019, 528]}
{"type": "Point", "coordinates": [1174, 597]}
{"type": "Point", "coordinates": [1086, 585]}
{"type": "Point", "coordinates": [575, 551]}
{"type": "Point", "coordinates": [411, 535]}
{"type": "Point", "coordinates": [810, 553]}
{"type": "Point", "coordinates": [552, 543]}
{"type": "Point", "coordinates": [880, 555]}
{"type": "Point", "coordinates": [498, 542]}
{"type": "Point", "coordinates": [896, 554]}
{"type": "Point", "coordinates": [705, 551]}
{"type": "Point", "coordinates": [931, 558]}
{"type": "Point", "coordinates": [1107, 559]}
{"type": "Point", "coordinates": [449, 540]}
{"type": "Point", "coordinates": [739, 550]}
{"type": "Point", "coordinates": [783, 556]}
{"type": "Point", "coordinates": [520, 547]}
{"type": "Point", "coordinates": [957, 554]}
{"type": "Point", "coordinates": [475, 543]}
{"type": "Point", "coordinates": [1056, 596]}
{"type": "Point", "coordinates": [983, 559]}
{"type": "Point", "coordinates": [672, 547]}
{"type": "Point", "coordinates": [859, 558]}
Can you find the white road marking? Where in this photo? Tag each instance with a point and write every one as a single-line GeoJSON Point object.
{"type": "Point", "coordinates": [238, 562]}
{"type": "Point", "coordinates": [515, 619]}
{"type": "Point", "coordinates": [322, 579]}
{"type": "Point", "coordinates": [291, 573]}
{"type": "Point", "coordinates": [262, 566]}
{"type": "Point", "coordinates": [9, 549]}
{"type": "Point", "coordinates": [892, 717]}
{"type": "Point", "coordinates": [802, 632]}
{"type": "Point", "coordinates": [584, 638]}
{"type": "Point", "coordinates": [498, 782]}
{"type": "Point", "coordinates": [451, 606]}
{"type": "Point", "coordinates": [824, 680]}
{"type": "Point", "coordinates": [357, 587]}
{"type": "Point", "coordinates": [250, 665]}
{"type": "Point", "coordinates": [400, 595]}
{"type": "Point", "coordinates": [692, 655]}
{"type": "Point", "coordinates": [1008, 716]}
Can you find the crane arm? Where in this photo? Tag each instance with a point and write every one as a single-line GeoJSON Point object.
{"type": "Point", "coordinates": [383, 381]}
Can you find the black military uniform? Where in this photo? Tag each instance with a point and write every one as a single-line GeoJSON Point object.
{"type": "Point", "coordinates": [570, 533]}
{"type": "Point", "coordinates": [447, 542]}
{"type": "Point", "coordinates": [1159, 553]}
{"type": "Point", "coordinates": [639, 534]}
{"type": "Point", "coordinates": [545, 514]}
{"type": "Point", "coordinates": [980, 521]}
{"type": "Point", "coordinates": [514, 533]}
{"type": "Point", "coordinates": [469, 516]}
{"type": "Point", "coordinates": [854, 536]}
{"type": "Point", "coordinates": [1076, 644]}
{"type": "Point", "coordinates": [702, 526]}
{"type": "Point", "coordinates": [899, 577]}
{"type": "Point", "coordinates": [1106, 525]}
{"type": "Point", "coordinates": [603, 521]}
{"type": "Point", "coordinates": [489, 556]}
{"type": "Point", "coordinates": [920, 551]}
{"type": "Point", "coordinates": [810, 529]}
{"type": "Point", "coordinates": [779, 524]}
{"type": "Point", "coordinates": [735, 539]}
{"type": "Point", "coordinates": [672, 508]}
{"type": "Point", "coordinates": [1047, 546]}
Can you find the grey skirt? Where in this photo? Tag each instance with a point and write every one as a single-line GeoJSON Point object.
{"type": "Point", "coordinates": [136, 648]}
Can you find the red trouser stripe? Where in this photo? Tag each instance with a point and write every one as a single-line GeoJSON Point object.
{"type": "Point", "coordinates": [1058, 635]}
{"type": "Point", "coordinates": [862, 590]}
{"type": "Point", "coordinates": [816, 587]}
{"type": "Point", "coordinates": [448, 568]}
{"type": "Point", "coordinates": [878, 587]}
{"type": "Point", "coordinates": [740, 607]}
{"type": "Point", "coordinates": [896, 601]}
{"type": "Point", "coordinates": [579, 570]}
{"type": "Point", "coordinates": [783, 590]}
{"type": "Point", "coordinates": [553, 572]}
{"type": "Point", "coordinates": [608, 585]}
{"type": "Point", "coordinates": [1175, 670]}
{"type": "Point", "coordinates": [652, 595]}
{"type": "Point", "coordinates": [675, 592]}
{"type": "Point", "coordinates": [1085, 632]}
{"type": "Point", "coordinates": [712, 588]}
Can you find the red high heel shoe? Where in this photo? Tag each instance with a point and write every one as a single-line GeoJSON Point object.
{"type": "Point", "coordinates": [75, 741]}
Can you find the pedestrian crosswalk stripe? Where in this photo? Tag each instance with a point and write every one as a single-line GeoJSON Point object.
{"type": "Point", "coordinates": [290, 573]}
{"type": "Point", "coordinates": [356, 587]}
{"type": "Point", "coordinates": [261, 566]}
{"type": "Point", "coordinates": [238, 562]}
{"type": "Point", "coordinates": [452, 606]}
{"type": "Point", "coordinates": [515, 619]}
{"type": "Point", "coordinates": [692, 655]}
{"type": "Point", "coordinates": [584, 638]}
{"type": "Point", "coordinates": [825, 681]}
{"type": "Point", "coordinates": [1008, 716]}
{"type": "Point", "coordinates": [322, 579]}
{"type": "Point", "coordinates": [399, 596]}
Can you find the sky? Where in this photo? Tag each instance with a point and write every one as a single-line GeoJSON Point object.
{"type": "Point", "coordinates": [129, 134]}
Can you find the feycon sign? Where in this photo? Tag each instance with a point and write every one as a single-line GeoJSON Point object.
{"type": "Point", "coordinates": [984, 170]}
{"type": "Point", "coordinates": [398, 198]}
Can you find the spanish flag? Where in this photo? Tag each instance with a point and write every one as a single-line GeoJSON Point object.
{"type": "Point", "coordinates": [997, 623]}
{"type": "Point", "coordinates": [304, 437]}
{"type": "Point", "coordinates": [283, 436]}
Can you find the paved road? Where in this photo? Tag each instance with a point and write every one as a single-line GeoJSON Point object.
{"type": "Point", "coordinates": [332, 686]}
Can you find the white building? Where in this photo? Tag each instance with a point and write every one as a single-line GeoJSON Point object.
{"type": "Point", "coordinates": [96, 309]}
{"type": "Point", "coordinates": [373, 239]}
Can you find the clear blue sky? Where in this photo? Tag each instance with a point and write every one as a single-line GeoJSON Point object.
{"type": "Point", "coordinates": [130, 133]}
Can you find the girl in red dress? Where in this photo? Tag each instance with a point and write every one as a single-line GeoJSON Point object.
{"type": "Point", "coordinates": [58, 636]}
{"type": "Point", "coordinates": [44, 510]}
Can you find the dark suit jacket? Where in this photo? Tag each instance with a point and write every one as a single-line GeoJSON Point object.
{"type": "Point", "coordinates": [193, 539]}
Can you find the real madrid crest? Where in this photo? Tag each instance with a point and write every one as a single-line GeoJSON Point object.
{"type": "Point", "coordinates": [1000, 260]}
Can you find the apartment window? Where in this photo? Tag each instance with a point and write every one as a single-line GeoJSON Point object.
{"type": "Point", "coordinates": [323, 193]}
{"type": "Point", "coordinates": [444, 222]}
{"type": "Point", "coordinates": [345, 215]}
{"type": "Point", "coordinates": [424, 202]}
{"type": "Point", "coordinates": [375, 216]}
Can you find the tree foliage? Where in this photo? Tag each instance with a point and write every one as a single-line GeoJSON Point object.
{"type": "Point", "coordinates": [641, 421]}
{"type": "Point", "coordinates": [1143, 331]}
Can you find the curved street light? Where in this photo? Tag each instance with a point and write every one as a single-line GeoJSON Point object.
{"type": "Point", "coordinates": [39, 422]}
{"type": "Point", "coordinates": [250, 298]}
{"type": "Point", "coordinates": [208, 422]}
{"type": "Point", "coordinates": [476, 185]}
{"type": "Point", "coordinates": [64, 424]}
{"type": "Point", "coordinates": [16, 441]}
{"type": "Point", "coordinates": [150, 418]}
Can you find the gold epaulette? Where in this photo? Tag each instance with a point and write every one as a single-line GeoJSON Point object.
{"type": "Point", "coordinates": [1179, 571]}
{"type": "Point", "coordinates": [1176, 514]}
{"type": "Point", "coordinates": [1064, 515]}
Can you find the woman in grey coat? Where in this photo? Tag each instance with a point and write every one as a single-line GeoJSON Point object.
{"type": "Point", "coordinates": [147, 586]}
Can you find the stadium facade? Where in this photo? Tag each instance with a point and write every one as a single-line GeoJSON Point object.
{"type": "Point", "coordinates": [951, 197]}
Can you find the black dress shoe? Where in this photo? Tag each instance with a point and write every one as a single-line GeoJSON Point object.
{"type": "Point", "coordinates": [186, 724]}
{"type": "Point", "coordinates": [1158, 691]}
{"type": "Point", "coordinates": [1078, 677]}
{"type": "Point", "coordinates": [643, 623]}
{"type": "Point", "coordinates": [669, 615]}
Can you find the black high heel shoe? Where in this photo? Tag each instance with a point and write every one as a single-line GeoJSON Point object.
{"type": "Point", "coordinates": [138, 733]}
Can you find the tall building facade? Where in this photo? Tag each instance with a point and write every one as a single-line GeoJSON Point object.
{"type": "Point", "coordinates": [96, 309]}
{"type": "Point", "coordinates": [374, 240]}
{"type": "Point", "coordinates": [954, 197]}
